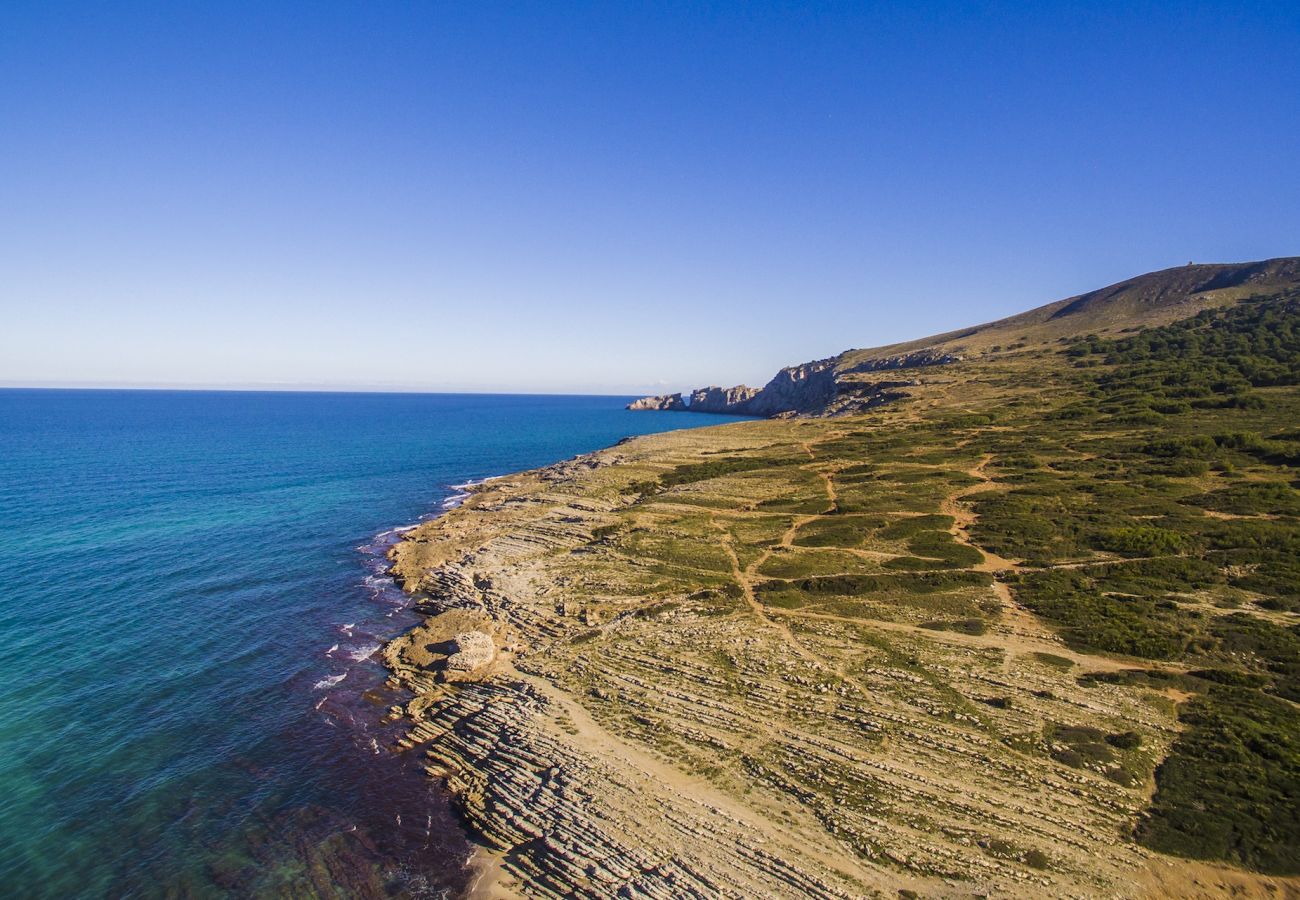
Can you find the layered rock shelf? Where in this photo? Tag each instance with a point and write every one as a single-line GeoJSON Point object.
{"type": "Point", "coordinates": [637, 738]}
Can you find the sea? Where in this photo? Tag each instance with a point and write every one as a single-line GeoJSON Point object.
{"type": "Point", "coordinates": [192, 597]}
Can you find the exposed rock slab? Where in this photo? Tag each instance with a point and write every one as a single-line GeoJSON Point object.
{"type": "Point", "coordinates": [473, 650]}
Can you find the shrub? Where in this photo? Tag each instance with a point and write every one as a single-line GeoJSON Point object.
{"type": "Point", "coordinates": [1230, 787]}
{"type": "Point", "coordinates": [1140, 540]}
{"type": "Point", "coordinates": [1125, 740]}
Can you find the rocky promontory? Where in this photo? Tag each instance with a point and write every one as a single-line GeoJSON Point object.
{"type": "Point", "coordinates": [722, 400]}
{"type": "Point", "coordinates": [820, 387]}
{"type": "Point", "coordinates": [660, 402]}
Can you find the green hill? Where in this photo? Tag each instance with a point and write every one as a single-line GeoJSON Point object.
{"type": "Point", "coordinates": [1018, 615]}
{"type": "Point", "coordinates": [852, 381]}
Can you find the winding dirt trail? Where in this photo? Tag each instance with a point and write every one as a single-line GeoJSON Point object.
{"type": "Point", "coordinates": [1018, 633]}
{"type": "Point", "coordinates": [745, 576]}
{"type": "Point", "coordinates": [1025, 632]}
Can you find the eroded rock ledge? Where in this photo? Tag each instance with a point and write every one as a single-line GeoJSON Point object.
{"type": "Point", "coordinates": [571, 809]}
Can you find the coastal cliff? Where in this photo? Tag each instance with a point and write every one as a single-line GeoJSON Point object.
{"type": "Point", "coordinates": [843, 384]}
{"type": "Point", "coordinates": [820, 387]}
{"type": "Point", "coordinates": [722, 400]}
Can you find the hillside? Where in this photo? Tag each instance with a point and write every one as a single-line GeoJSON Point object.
{"type": "Point", "coordinates": [1031, 628]}
{"type": "Point", "coordinates": [852, 381]}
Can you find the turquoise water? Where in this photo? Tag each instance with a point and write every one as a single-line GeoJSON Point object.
{"type": "Point", "coordinates": [191, 589]}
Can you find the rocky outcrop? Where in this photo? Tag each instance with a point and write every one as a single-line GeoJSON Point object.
{"type": "Point", "coordinates": [915, 360]}
{"type": "Point", "coordinates": [722, 400]}
{"type": "Point", "coordinates": [813, 388]}
{"type": "Point", "coordinates": [802, 389]}
{"type": "Point", "coordinates": [660, 402]}
{"type": "Point", "coordinates": [474, 649]}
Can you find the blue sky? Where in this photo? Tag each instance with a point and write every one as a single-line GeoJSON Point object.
{"type": "Point", "coordinates": [607, 198]}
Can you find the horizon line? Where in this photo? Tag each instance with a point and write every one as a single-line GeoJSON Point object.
{"type": "Point", "coordinates": [271, 389]}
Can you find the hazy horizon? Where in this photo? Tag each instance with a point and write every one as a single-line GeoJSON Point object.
{"type": "Point", "coordinates": [606, 200]}
{"type": "Point", "coordinates": [294, 388]}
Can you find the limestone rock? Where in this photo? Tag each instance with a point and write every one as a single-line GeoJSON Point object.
{"type": "Point", "coordinates": [660, 402]}
{"type": "Point", "coordinates": [813, 388]}
{"type": "Point", "coordinates": [721, 400]}
{"type": "Point", "coordinates": [915, 360]}
{"type": "Point", "coordinates": [806, 388]}
{"type": "Point", "coordinates": [474, 649]}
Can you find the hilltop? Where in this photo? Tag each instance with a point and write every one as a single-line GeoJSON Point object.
{"type": "Point", "coordinates": [852, 381]}
{"type": "Point", "coordinates": [1028, 627]}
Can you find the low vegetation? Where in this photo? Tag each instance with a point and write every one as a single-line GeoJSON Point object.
{"type": "Point", "coordinates": [1065, 570]}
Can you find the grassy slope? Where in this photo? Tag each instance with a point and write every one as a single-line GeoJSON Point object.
{"type": "Point", "coordinates": [1062, 573]}
{"type": "Point", "coordinates": [1147, 485]}
{"type": "Point", "coordinates": [1147, 301]}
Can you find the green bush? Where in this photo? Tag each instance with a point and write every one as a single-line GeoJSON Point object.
{"type": "Point", "coordinates": [1140, 540]}
{"type": "Point", "coordinates": [1252, 498]}
{"type": "Point", "coordinates": [1230, 788]}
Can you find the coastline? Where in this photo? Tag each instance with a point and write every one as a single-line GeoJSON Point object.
{"type": "Point", "coordinates": [526, 763]}
{"type": "Point", "coordinates": [555, 798]}
{"type": "Point", "coordinates": [604, 750]}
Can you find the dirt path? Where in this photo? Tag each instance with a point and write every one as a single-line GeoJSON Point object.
{"type": "Point", "coordinates": [991, 641]}
{"type": "Point", "coordinates": [1019, 632]}
{"type": "Point", "coordinates": [745, 577]}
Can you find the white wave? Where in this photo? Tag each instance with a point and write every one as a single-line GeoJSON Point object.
{"type": "Point", "coordinates": [391, 532]}
{"type": "Point", "coordinates": [365, 651]}
{"type": "Point", "coordinates": [472, 483]}
{"type": "Point", "coordinates": [328, 682]}
{"type": "Point", "coordinates": [347, 629]}
{"type": "Point", "coordinates": [331, 649]}
{"type": "Point", "coordinates": [463, 492]}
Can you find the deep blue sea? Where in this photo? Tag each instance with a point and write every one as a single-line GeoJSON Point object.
{"type": "Point", "coordinates": [191, 594]}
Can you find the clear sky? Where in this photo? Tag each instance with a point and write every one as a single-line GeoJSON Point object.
{"type": "Point", "coordinates": [607, 198]}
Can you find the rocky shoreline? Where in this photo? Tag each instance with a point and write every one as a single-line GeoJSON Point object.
{"type": "Point", "coordinates": [789, 657]}
{"type": "Point", "coordinates": [559, 802]}
{"type": "Point", "coordinates": [549, 745]}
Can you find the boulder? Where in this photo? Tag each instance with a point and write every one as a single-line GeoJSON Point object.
{"type": "Point", "coordinates": [474, 649]}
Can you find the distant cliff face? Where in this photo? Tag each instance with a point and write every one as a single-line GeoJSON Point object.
{"type": "Point", "coordinates": [814, 388]}
{"type": "Point", "coordinates": [797, 389]}
{"type": "Point", "coordinates": [835, 387]}
{"type": "Point", "coordinates": [722, 400]}
{"type": "Point", "coordinates": [663, 401]}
